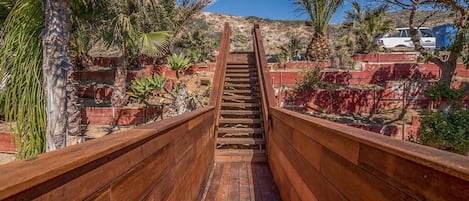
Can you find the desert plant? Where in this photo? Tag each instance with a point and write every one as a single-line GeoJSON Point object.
{"type": "Point", "coordinates": [446, 131]}
{"type": "Point", "coordinates": [178, 63]}
{"type": "Point", "coordinates": [311, 80]}
{"type": "Point", "coordinates": [142, 87]}
{"type": "Point", "coordinates": [291, 49]}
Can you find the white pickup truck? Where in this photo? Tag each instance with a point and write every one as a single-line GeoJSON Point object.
{"type": "Point", "coordinates": [401, 38]}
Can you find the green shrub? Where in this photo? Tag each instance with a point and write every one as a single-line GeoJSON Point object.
{"type": "Point", "coordinates": [446, 131]}
{"type": "Point", "coordinates": [311, 80]}
{"type": "Point", "coordinates": [143, 87]}
{"type": "Point", "coordinates": [442, 92]}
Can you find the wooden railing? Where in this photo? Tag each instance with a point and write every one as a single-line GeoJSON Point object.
{"type": "Point", "coordinates": [266, 90]}
{"type": "Point", "coordinates": [219, 77]}
{"type": "Point", "coordinates": [314, 159]}
{"type": "Point", "coordinates": [167, 160]}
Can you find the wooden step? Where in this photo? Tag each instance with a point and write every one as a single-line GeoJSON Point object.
{"type": "Point", "coordinates": [240, 155]}
{"type": "Point", "coordinates": [239, 121]}
{"type": "Point", "coordinates": [240, 112]}
{"type": "Point", "coordinates": [239, 98]}
{"type": "Point", "coordinates": [243, 80]}
{"type": "Point", "coordinates": [240, 85]}
{"type": "Point", "coordinates": [240, 91]}
{"type": "Point", "coordinates": [251, 94]}
{"type": "Point", "coordinates": [240, 104]}
{"type": "Point", "coordinates": [240, 141]}
{"type": "Point", "coordinates": [241, 70]}
{"type": "Point", "coordinates": [228, 67]}
{"type": "Point", "coordinates": [237, 75]}
{"type": "Point", "coordinates": [241, 130]}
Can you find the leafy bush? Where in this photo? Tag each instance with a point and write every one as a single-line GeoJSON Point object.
{"type": "Point", "coordinates": [311, 79]}
{"type": "Point", "coordinates": [442, 92]}
{"type": "Point", "coordinates": [446, 131]}
{"type": "Point", "coordinates": [142, 87]}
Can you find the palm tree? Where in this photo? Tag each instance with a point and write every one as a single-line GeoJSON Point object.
{"type": "Point", "coordinates": [366, 25]}
{"type": "Point", "coordinates": [21, 68]}
{"type": "Point", "coordinates": [320, 12]}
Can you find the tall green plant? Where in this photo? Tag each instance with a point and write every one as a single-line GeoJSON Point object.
{"type": "Point", "coordinates": [320, 13]}
{"type": "Point", "coordinates": [365, 25]}
{"type": "Point", "coordinates": [21, 68]}
{"type": "Point", "coordinates": [178, 63]}
{"type": "Point", "coordinates": [291, 49]}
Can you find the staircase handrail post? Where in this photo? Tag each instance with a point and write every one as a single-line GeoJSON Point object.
{"type": "Point", "coordinates": [219, 75]}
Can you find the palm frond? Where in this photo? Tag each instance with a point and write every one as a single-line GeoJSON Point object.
{"type": "Point", "coordinates": [155, 43]}
{"type": "Point", "coordinates": [21, 62]}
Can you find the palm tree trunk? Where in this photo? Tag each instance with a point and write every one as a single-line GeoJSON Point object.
{"type": "Point", "coordinates": [119, 97]}
{"type": "Point", "coordinates": [55, 67]}
{"type": "Point", "coordinates": [74, 134]}
{"type": "Point", "coordinates": [318, 49]}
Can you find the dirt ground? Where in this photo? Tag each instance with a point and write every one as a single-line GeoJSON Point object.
{"type": "Point", "coordinates": [392, 116]}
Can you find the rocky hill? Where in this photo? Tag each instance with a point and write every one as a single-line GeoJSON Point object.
{"type": "Point", "coordinates": [278, 32]}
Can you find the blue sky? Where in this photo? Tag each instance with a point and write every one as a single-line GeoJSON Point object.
{"type": "Point", "coordinates": [273, 9]}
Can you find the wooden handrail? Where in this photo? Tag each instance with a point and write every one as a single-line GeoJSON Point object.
{"type": "Point", "coordinates": [158, 160]}
{"type": "Point", "coordinates": [315, 158]}
{"type": "Point", "coordinates": [261, 61]}
{"type": "Point", "coordinates": [219, 76]}
{"type": "Point", "coordinates": [265, 85]}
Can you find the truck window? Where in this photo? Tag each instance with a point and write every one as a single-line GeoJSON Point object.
{"type": "Point", "coordinates": [426, 33]}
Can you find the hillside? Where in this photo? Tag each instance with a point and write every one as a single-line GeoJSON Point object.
{"type": "Point", "coordinates": [278, 32]}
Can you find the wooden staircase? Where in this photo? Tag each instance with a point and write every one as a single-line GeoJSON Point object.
{"type": "Point", "coordinates": [240, 136]}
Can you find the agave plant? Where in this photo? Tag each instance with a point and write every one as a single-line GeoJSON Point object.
{"type": "Point", "coordinates": [178, 63]}
{"type": "Point", "coordinates": [142, 87]}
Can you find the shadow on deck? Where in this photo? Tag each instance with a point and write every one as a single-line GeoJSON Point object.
{"type": "Point", "coordinates": [241, 181]}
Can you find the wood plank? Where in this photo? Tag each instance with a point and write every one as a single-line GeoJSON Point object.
{"type": "Point", "coordinates": [302, 175]}
{"type": "Point", "coordinates": [239, 120]}
{"type": "Point", "coordinates": [104, 195]}
{"type": "Point", "coordinates": [100, 173]}
{"type": "Point", "coordinates": [412, 178]}
{"type": "Point", "coordinates": [144, 175]}
{"type": "Point", "coordinates": [215, 182]}
{"type": "Point", "coordinates": [240, 130]}
{"type": "Point", "coordinates": [244, 186]}
{"type": "Point", "coordinates": [293, 177]}
{"type": "Point", "coordinates": [333, 140]}
{"type": "Point", "coordinates": [233, 186]}
{"type": "Point", "coordinates": [222, 194]}
{"type": "Point", "coordinates": [310, 149]}
{"type": "Point", "coordinates": [240, 141]}
{"type": "Point", "coordinates": [240, 112]}
{"type": "Point", "coordinates": [359, 185]}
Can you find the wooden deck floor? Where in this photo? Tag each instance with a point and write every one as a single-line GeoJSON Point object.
{"type": "Point", "coordinates": [242, 181]}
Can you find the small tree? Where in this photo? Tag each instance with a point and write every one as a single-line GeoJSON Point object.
{"type": "Point", "coordinates": [291, 49]}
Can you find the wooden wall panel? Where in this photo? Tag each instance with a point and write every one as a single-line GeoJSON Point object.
{"type": "Point", "coordinates": [415, 179]}
{"type": "Point", "coordinates": [152, 162]}
{"type": "Point", "coordinates": [300, 172]}
{"type": "Point", "coordinates": [313, 159]}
